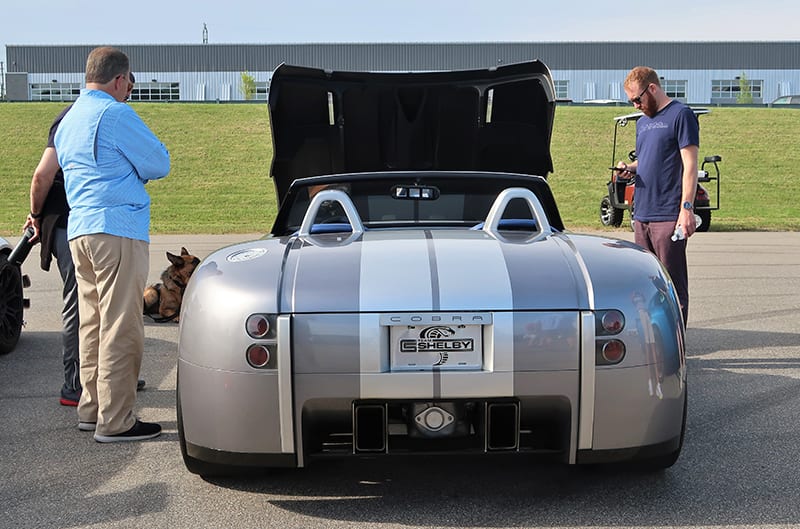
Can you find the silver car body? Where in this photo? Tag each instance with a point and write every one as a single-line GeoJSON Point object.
{"type": "Point", "coordinates": [430, 312]}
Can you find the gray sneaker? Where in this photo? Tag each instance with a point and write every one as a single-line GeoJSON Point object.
{"type": "Point", "coordinates": [86, 426]}
{"type": "Point", "coordinates": [138, 432]}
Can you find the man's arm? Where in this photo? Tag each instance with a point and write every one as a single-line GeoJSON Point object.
{"type": "Point", "coordinates": [688, 189]}
{"type": "Point", "coordinates": [41, 183]}
{"type": "Point", "coordinates": [141, 147]}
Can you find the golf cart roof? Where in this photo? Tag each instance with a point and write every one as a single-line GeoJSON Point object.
{"type": "Point", "coordinates": [621, 120]}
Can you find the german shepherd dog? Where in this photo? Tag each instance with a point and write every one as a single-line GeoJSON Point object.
{"type": "Point", "coordinates": [162, 301]}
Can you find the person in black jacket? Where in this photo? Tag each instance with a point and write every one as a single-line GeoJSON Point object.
{"type": "Point", "coordinates": [49, 215]}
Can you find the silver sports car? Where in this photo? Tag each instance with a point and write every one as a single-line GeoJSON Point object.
{"type": "Point", "coordinates": [418, 293]}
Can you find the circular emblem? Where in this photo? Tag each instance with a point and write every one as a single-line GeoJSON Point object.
{"type": "Point", "coordinates": [246, 255]}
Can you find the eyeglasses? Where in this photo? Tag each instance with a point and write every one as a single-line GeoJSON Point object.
{"type": "Point", "coordinates": [638, 99]}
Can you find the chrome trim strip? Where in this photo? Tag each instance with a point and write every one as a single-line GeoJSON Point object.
{"type": "Point", "coordinates": [587, 389]}
{"type": "Point", "coordinates": [285, 401]}
{"type": "Point", "coordinates": [435, 292]}
{"type": "Point", "coordinates": [587, 278]}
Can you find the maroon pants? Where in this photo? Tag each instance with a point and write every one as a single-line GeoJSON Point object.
{"type": "Point", "coordinates": [656, 237]}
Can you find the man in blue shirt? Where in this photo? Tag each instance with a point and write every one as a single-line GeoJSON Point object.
{"type": "Point", "coordinates": [48, 216]}
{"type": "Point", "coordinates": [667, 142]}
{"type": "Point", "coordinates": [108, 154]}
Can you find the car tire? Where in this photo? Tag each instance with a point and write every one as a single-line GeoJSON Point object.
{"type": "Point", "coordinates": [11, 305]}
{"type": "Point", "coordinates": [705, 216]}
{"type": "Point", "coordinates": [609, 215]}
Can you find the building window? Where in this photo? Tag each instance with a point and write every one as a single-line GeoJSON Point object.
{"type": "Point", "coordinates": [155, 91]}
{"type": "Point", "coordinates": [728, 90]}
{"type": "Point", "coordinates": [562, 89]}
{"type": "Point", "coordinates": [262, 90]}
{"type": "Point", "coordinates": [55, 91]}
{"type": "Point", "coordinates": [675, 89]}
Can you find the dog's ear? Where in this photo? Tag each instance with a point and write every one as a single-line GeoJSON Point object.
{"type": "Point", "coordinates": [175, 259]}
{"type": "Point", "coordinates": [184, 251]}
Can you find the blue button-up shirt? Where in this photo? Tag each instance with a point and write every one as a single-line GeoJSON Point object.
{"type": "Point", "coordinates": [107, 154]}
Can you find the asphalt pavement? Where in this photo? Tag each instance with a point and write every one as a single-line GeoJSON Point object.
{"type": "Point", "coordinates": [739, 467]}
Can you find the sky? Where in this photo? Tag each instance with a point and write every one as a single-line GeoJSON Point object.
{"type": "Point", "coordinates": [54, 22]}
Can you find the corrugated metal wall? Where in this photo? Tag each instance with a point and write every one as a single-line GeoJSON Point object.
{"type": "Point", "coordinates": [419, 56]}
{"type": "Point", "coordinates": [593, 70]}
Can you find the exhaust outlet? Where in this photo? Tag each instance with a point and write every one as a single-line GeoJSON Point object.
{"type": "Point", "coordinates": [502, 426]}
{"type": "Point", "coordinates": [369, 428]}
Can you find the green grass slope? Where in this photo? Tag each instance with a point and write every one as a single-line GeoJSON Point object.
{"type": "Point", "coordinates": [220, 182]}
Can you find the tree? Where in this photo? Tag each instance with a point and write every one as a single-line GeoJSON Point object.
{"type": "Point", "coordinates": [248, 85]}
{"type": "Point", "coordinates": [745, 96]}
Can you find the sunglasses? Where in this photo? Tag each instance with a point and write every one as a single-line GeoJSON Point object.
{"type": "Point", "coordinates": [638, 99]}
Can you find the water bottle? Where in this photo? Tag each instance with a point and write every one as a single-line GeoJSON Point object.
{"type": "Point", "coordinates": [678, 234]}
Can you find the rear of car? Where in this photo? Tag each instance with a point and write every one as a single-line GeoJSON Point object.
{"type": "Point", "coordinates": [427, 333]}
{"type": "Point", "coordinates": [418, 294]}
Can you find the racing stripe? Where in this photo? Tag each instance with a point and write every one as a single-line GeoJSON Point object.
{"type": "Point", "coordinates": [472, 272]}
{"type": "Point", "coordinates": [396, 276]}
{"type": "Point", "coordinates": [395, 272]}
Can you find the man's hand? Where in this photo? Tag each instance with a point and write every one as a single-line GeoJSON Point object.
{"type": "Point", "coordinates": [688, 222]}
{"type": "Point", "coordinates": [30, 221]}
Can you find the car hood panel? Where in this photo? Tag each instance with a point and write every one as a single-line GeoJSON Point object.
{"type": "Point", "coordinates": [424, 270]}
{"type": "Point", "coordinates": [497, 119]}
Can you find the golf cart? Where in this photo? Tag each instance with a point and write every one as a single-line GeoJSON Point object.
{"type": "Point", "coordinates": [621, 190]}
{"type": "Point", "coordinates": [12, 281]}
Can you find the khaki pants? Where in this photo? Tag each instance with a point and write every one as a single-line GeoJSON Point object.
{"type": "Point", "coordinates": [111, 272]}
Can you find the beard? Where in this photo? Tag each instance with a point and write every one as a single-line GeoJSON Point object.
{"type": "Point", "coordinates": [649, 105]}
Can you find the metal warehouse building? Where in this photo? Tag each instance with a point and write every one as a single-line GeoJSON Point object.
{"type": "Point", "coordinates": [693, 72]}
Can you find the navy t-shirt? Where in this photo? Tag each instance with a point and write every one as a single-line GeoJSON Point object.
{"type": "Point", "coordinates": [659, 173]}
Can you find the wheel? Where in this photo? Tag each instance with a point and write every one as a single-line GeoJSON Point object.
{"type": "Point", "coordinates": [705, 217]}
{"type": "Point", "coordinates": [11, 305]}
{"type": "Point", "coordinates": [609, 215]}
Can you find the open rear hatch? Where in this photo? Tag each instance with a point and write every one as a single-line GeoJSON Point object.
{"type": "Point", "coordinates": [497, 119]}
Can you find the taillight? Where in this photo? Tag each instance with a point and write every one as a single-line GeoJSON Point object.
{"type": "Point", "coordinates": [258, 355]}
{"type": "Point", "coordinates": [258, 326]}
{"type": "Point", "coordinates": [263, 328]}
{"type": "Point", "coordinates": [612, 321]}
{"type": "Point", "coordinates": [609, 322]}
{"type": "Point", "coordinates": [612, 352]}
{"type": "Point", "coordinates": [608, 350]}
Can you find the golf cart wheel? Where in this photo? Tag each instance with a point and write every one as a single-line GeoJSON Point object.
{"type": "Point", "coordinates": [705, 217]}
{"type": "Point", "coordinates": [11, 305]}
{"type": "Point", "coordinates": [609, 215]}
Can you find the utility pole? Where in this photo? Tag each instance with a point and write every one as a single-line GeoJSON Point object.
{"type": "Point", "coordinates": [2, 82]}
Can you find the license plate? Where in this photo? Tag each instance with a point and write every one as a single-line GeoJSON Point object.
{"type": "Point", "coordinates": [436, 346]}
